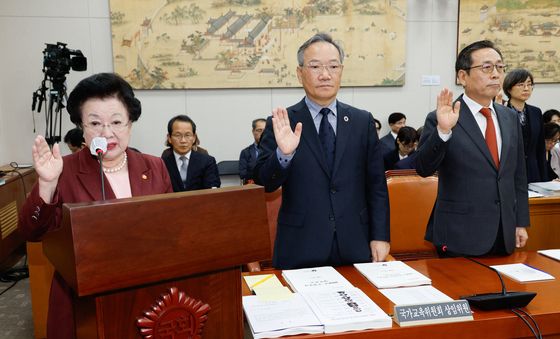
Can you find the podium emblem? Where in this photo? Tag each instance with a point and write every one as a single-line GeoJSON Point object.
{"type": "Point", "coordinates": [174, 316]}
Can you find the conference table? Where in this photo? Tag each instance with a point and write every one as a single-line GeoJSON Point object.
{"type": "Point", "coordinates": [14, 185]}
{"type": "Point", "coordinates": [544, 232]}
{"type": "Point", "coordinates": [460, 277]}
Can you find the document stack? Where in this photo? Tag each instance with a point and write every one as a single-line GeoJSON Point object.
{"type": "Point", "coordinates": [554, 254]}
{"type": "Point", "coordinates": [392, 274]}
{"type": "Point", "coordinates": [548, 188]}
{"type": "Point", "coordinates": [522, 272]}
{"type": "Point", "coordinates": [338, 305]}
{"type": "Point", "coordinates": [325, 277]}
{"type": "Point", "coordinates": [346, 309]}
{"type": "Point", "coordinates": [276, 318]}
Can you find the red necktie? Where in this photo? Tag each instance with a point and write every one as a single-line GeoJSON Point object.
{"type": "Point", "coordinates": [490, 135]}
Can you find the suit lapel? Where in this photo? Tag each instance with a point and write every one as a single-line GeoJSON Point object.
{"type": "Point", "coordinates": [343, 129]}
{"type": "Point", "coordinates": [309, 134]}
{"type": "Point", "coordinates": [191, 168]}
{"type": "Point", "coordinates": [506, 128]}
{"type": "Point", "coordinates": [89, 177]}
{"type": "Point", "coordinates": [139, 175]}
{"type": "Point", "coordinates": [471, 128]}
{"type": "Point", "coordinates": [169, 160]}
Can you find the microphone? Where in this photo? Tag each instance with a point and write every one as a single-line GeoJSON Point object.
{"type": "Point", "coordinates": [98, 147]}
{"type": "Point", "coordinates": [497, 300]}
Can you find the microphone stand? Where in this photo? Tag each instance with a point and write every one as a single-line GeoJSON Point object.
{"type": "Point", "coordinates": [100, 157]}
{"type": "Point", "coordinates": [500, 300]}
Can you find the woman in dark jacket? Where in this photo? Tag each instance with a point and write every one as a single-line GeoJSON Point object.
{"type": "Point", "coordinates": [518, 86]}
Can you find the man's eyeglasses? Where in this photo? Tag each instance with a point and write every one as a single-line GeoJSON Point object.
{"type": "Point", "coordinates": [334, 68]}
{"type": "Point", "coordinates": [115, 126]}
{"type": "Point", "coordinates": [489, 68]}
{"type": "Point", "coordinates": [179, 136]}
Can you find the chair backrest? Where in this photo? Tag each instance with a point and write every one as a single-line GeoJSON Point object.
{"type": "Point", "coordinates": [228, 167]}
{"type": "Point", "coordinates": [411, 199]}
{"type": "Point", "coordinates": [229, 173]}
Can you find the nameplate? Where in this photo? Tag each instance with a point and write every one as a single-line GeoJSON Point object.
{"type": "Point", "coordinates": [432, 313]}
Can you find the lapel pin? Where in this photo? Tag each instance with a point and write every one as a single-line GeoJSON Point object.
{"type": "Point", "coordinates": [346, 118]}
{"type": "Point", "coordinates": [144, 176]}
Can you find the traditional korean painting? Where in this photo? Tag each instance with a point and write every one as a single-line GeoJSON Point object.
{"type": "Point", "coordinates": [526, 32]}
{"type": "Point", "coordinates": [253, 43]}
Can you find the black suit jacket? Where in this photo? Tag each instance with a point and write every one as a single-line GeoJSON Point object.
{"type": "Point", "coordinates": [474, 196]}
{"type": "Point", "coordinates": [388, 143]}
{"type": "Point", "coordinates": [408, 162]}
{"type": "Point", "coordinates": [247, 162]}
{"type": "Point", "coordinates": [390, 158]}
{"type": "Point", "coordinates": [202, 172]}
{"type": "Point", "coordinates": [353, 201]}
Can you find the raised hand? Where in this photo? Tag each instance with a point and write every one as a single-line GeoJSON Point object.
{"type": "Point", "coordinates": [447, 113]}
{"type": "Point", "coordinates": [286, 139]}
{"type": "Point", "coordinates": [48, 165]}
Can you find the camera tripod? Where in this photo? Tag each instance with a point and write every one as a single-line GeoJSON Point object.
{"type": "Point", "coordinates": [55, 104]}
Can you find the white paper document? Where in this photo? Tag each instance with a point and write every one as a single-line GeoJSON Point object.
{"type": "Point", "coordinates": [522, 272]}
{"type": "Point", "coordinates": [392, 274]}
{"type": "Point", "coordinates": [272, 319]}
{"type": "Point", "coordinates": [315, 278]}
{"type": "Point", "coordinates": [554, 254]}
{"type": "Point", "coordinates": [346, 309]}
{"type": "Point", "coordinates": [533, 194]}
{"type": "Point", "coordinates": [547, 185]}
{"type": "Point", "coordinates": [415, 295]}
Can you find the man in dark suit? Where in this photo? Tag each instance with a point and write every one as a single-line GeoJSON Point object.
{"type": "Point", "coordinates": [326, 157]}
{"type": "Point", "coordinates": [248, 156]}
{"type": "Point", "coordinates": [477, 148]}
{"type": "Point", "coordinates": [188, 170]}
{"type": "Point", "coordinates": [396, 121]}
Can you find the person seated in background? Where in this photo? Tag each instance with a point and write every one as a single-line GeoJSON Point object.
{"type": "Point", "coordinates": [396, 121]}
{"type": "Point", "coordinates": [103, 105]}
{"type": "Point", "coordinates": [74, 139]}
{"type": "Point", "coordinates": [187, 169]}
{"type": "Point", "coordinates": [551, 115]}
{"type": "Point", "coordinates": [518, 86]}
{"type": "Point", "coordinates": [248, 156]}
{"type": "Point", "coordinates": [405, 148]}
{"type": "Point", "coordinates": [377, 126]}
{"type": "Point", "coordinates": [551, 138]}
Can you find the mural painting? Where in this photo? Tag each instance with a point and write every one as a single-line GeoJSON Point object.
{"type": "Point", "coordinates": [169, 44]}
{"type": "Point", "coordinates": [527, 32]}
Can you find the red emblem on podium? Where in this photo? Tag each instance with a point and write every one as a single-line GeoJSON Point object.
{"type": "Point", "coordinates": [174, 316]}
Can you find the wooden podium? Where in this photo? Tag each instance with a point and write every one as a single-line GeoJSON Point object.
{"type": "Point", "coordinates": [165, 265]}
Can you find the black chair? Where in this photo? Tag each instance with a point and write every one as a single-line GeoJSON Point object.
{"type": "Point", "coordinates": [229, 173]}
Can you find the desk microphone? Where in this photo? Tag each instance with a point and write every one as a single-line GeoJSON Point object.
{"type": "Point", "coordinates": [98, 148]}
{"type": "Point", "coordinates": [499, 300]}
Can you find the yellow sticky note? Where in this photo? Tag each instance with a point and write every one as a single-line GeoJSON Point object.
{"type": "Point", "coordinates": [262, 280]}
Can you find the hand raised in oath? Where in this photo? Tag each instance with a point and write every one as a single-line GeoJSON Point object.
{"type": "Point", "coordinates": [48, 165]}
{"type": "Point", "coordinates": [447, 112]}
{"type": "Point", "coordinates": [286, 139]}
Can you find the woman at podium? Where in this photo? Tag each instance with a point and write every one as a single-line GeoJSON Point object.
{"type": "Point", "coordinates": [103, 106]}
